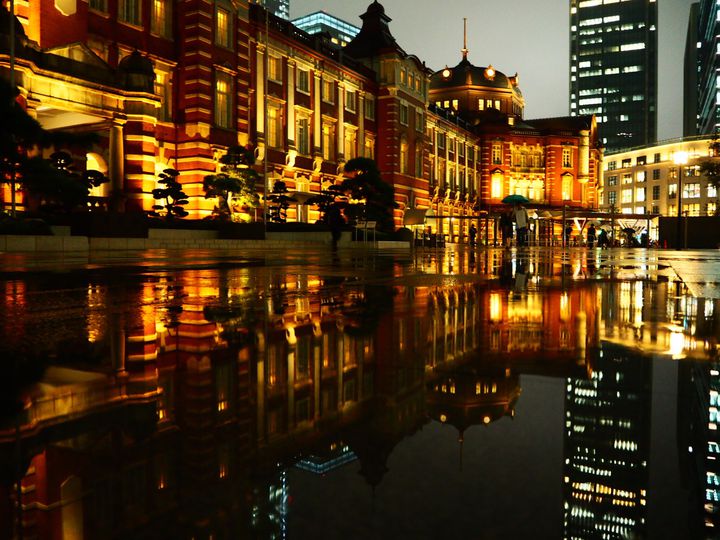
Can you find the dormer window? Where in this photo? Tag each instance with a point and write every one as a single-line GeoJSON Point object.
{"type": "Point", "coordinates": [446, 73]}
{"type": "Point", "coordinates": [490, 73]}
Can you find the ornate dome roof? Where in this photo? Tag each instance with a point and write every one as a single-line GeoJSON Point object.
{"type": "Point", "coordinates": [137, 72]}
{"type": "Point", "coordinates": [466, 74]}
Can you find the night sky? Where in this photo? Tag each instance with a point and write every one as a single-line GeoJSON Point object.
{"type": "Point", "coordinates": [530, 37]}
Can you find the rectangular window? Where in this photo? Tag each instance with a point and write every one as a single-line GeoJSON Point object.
{"type": "Point", "coordinates": [418, 160]}
{"type": "Point", "coordinates": [328, 91]}
{"type": "Point", "coordinates": [403, 114]}
{"type": "Point", "coordinates": [370, 108]}
{"type": "Point", "coordinates": [612, 165]}
{"type": "Point", "coordinates": [711, 191]}
{"type": "Point", "coordinates": [130, 12]}
{"type": "Point", "coordinates": [627, 178]}
{"type": "Point", "coordinates": [461, 149]}
{"type": "Point", "coordinates": [640, 177]}
{"type": "Point", "coordinates": [640, 194]}
{"type": "Point", "coordinates": [497, 104]}
{"type": "Point", "coordinates": [641, 160]}
{"type": "Point", "coordinates": [351, 101]}
{"type": "Point", "coordinates": [161, 18]}
{"type": "Point", "coordinates": [419, 121]}
{"type": "Point", "coordinates": [350, 144]}
{"type": "Point", "coordinates": [711, 208]}
{"type": "Point", "coordinates": [274, 127]}
{"type": "Point", "coordinates": [98, 5]}
{"type": "Point", "coordinates": [567, 158]}
{"type": "Point", "coordinates": [691, 191]}
{"type": "Point", "coordinates": [627, 195]}
{"type": "Point", "coordinates": [612, 198]}
{"type": "Point", "coordinates": [656, 193]}
{"type": "Point", "coordinates": [275, 69]}
{"type": "Point", "coordinates": [627, 162]}
{"type": "Point", "coordinates": [303, 81]}
{"type": "Point", "coordinates": [369, 147]}
{"type": "Point", "coordinates": [164, 90]}
{"type": "Point", "coordinates": [302, 134]}
{"type": "Point", "coordinates": [441, 140]}
{"type": "Point", "coordinates": [481, 104]}
{"type": "Point", "coordinates": [672, 173]}
{"type": "Point", "coordinates": [656, 158]}
{"type": "Point", "coordinates": [223, 100]}
{"type": "Point", "coordinates": [497, 154]}
{"type": "Point", "coordinates": [328, 142]}
{"type": "Point", "coordinates": [672, 191]}
{"type": "Point", "coordinates": [655, 209]}
{"type": "Point", "coordinates": [692, 209]}
{"type": "Point", "coordinates": [656, 174]}
{"type": "Point", "coordinates": [612, 180]}
{"type": "Point", "coordinates": [222, 27]}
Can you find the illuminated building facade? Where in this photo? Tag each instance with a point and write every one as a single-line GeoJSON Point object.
{"type": "Point", "coordinates": [613, 69]}
{"type": "Point", "coordinates": [647, 180]}
{"type": "Point", "coordinates": [205, 79]}
{"type": "Point", "coordinates": [341, 32]}
{"type": "Point", "coordinates": [607, 447]}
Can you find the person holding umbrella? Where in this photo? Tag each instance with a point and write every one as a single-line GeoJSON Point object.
{"type": "Point", "coordinates": [521, 220]}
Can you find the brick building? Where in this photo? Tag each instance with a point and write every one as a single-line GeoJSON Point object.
{"type": "Point", "coordinates": [175, 85]}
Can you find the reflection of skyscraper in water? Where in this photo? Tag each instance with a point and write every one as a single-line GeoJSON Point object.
{"type": "Point", "coordinates": [698, 437]}
{"type": "Point", "coordinates": [269, 510]}
{"type": "Point", "coordinates": [607, 446]}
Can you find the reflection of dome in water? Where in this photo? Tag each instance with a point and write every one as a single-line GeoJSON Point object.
{"type": "Point", "coordinates": [464, 398]}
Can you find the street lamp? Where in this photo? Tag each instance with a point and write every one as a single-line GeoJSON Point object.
{"type": "Point", "coordinates": [680, 159]}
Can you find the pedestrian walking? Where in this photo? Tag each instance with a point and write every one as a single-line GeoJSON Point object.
{"type": "Point", "coordinates": [521, 220]}
{"type": "Point", "coordinates": [473, 234]}
{"type": "Point", "coordinates": [591, 235]}
{"type": "Point", "coordinates": [506, 228]}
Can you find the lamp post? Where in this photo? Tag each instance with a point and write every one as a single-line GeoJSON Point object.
{"type": "Point", "coordinates": [680, 159]}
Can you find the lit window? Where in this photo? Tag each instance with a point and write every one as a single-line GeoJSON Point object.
{"type": "Point", "coordinates": [403, 156]}
{"type": "Point", "coordinates": [567, 182]}
{"type": "Point", "coordinates": [161, 18]}
{"type": "Point", "coordinates": [164, 90]}
{"type": "Point", "coordinates": [627, 195]}
{"type": "Point", "coordinates": [222, 27]}
{"type": "Point", "coordinates": [275, 68]}
{"type": "Point", "coordinates": [350, 144]}
{"type": "Point", "coordinates": [274, 127]}
{"type": "Point", "coordinates": [640, 194]}
{"type": "Point", "coordinates": [496, 186]}
{"type": "Point", "coordinates": [567, 158]}
{"type": "Point", "coordinates": [497, 154]}
{"type": "Point", "coordinates": [223, 100]}
{"type": "Point", "coordinates": [328, 140]}
{"type": "Point", "coordinates": [328, 91]}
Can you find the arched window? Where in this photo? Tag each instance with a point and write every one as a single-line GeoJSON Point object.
{"type": "Point", "coordinates": [567, 185]}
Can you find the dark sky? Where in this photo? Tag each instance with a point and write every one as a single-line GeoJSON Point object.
{"type": "Point", "coordinates": [530, 37]}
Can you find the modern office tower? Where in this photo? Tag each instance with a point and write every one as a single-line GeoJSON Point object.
{"type": "Point", "coordinates": [607, 447]}
{"type": "Point", "coordinates": [281, 8]}
{"type": "Point", "coordinates": [690, 75]}
{"type": "Point", "coordinates": [340, 31]}
{"type": "Point", "coordinates": [708, 111]}
{"type": "Point", "coordinates": [613, 69]}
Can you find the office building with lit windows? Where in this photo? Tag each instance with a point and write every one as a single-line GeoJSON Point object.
{"type": "Point", "coordinates": [613, 69]}
{"type": "Point", "coordinates": [340, 32]}
{"type": "Point", "coordinates": [607, 447]}
{"type": "Point", "coordinates": [706, 65]}
{"type": "Point", "coordinates": [654, 179]}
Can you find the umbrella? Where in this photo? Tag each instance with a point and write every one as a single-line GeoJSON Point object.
{"type": "Point", "coordinates": [515, 199]}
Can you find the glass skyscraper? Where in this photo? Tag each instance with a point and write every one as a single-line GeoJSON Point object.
{"type": "Point", "coordinates": [281, 8]}
{"type": "Point", "coordinates": [706, 67]}
{"type": "Point", "coordinates": [341, 31]}
{"type": "Point", "coordinates": [613, 68]}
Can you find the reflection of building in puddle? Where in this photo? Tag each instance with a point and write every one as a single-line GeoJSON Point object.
{"type": "Point", "coordinates": [322, 462]}
{"type": "Point", "coordinates": [699, 443]}
{"type": "Point", "coordinates": [607, 447]}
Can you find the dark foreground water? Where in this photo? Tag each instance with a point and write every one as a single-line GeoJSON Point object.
{"type": "Point", "coordinates": [310, 395]}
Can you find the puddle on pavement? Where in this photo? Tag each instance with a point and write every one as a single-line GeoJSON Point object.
{"type": "Point", "coordinates": [438, 396]}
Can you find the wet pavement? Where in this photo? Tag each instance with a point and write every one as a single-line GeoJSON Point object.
{"type": "Point", "coordinates": [307, 393]}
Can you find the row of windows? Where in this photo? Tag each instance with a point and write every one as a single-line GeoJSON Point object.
{"type": "Point", "coordinates": [130, 12]}
{"type": "Point", "coordinates": [689, 191]}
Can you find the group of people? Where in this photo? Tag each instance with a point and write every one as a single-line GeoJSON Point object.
{"type": "Point", "coordinates": [518, 216]}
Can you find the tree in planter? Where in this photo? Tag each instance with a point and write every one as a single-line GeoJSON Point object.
{"type": "Point", "coordinates": [171, 196]}
{"type": "Point", "coordinates": [365, 184]}
{"type": "Point", "coordinates": [234, 185]}
{"type": "Point", "coordinates": [324, 200]}
{"type": "Point", "coordinates": [280, 202]}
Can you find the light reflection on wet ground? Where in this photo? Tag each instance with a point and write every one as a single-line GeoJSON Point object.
{"type": "Point", "coordinates": [306, 393]}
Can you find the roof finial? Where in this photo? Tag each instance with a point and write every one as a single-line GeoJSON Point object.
{"type": "Point", "coordinates": [465, 49]}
